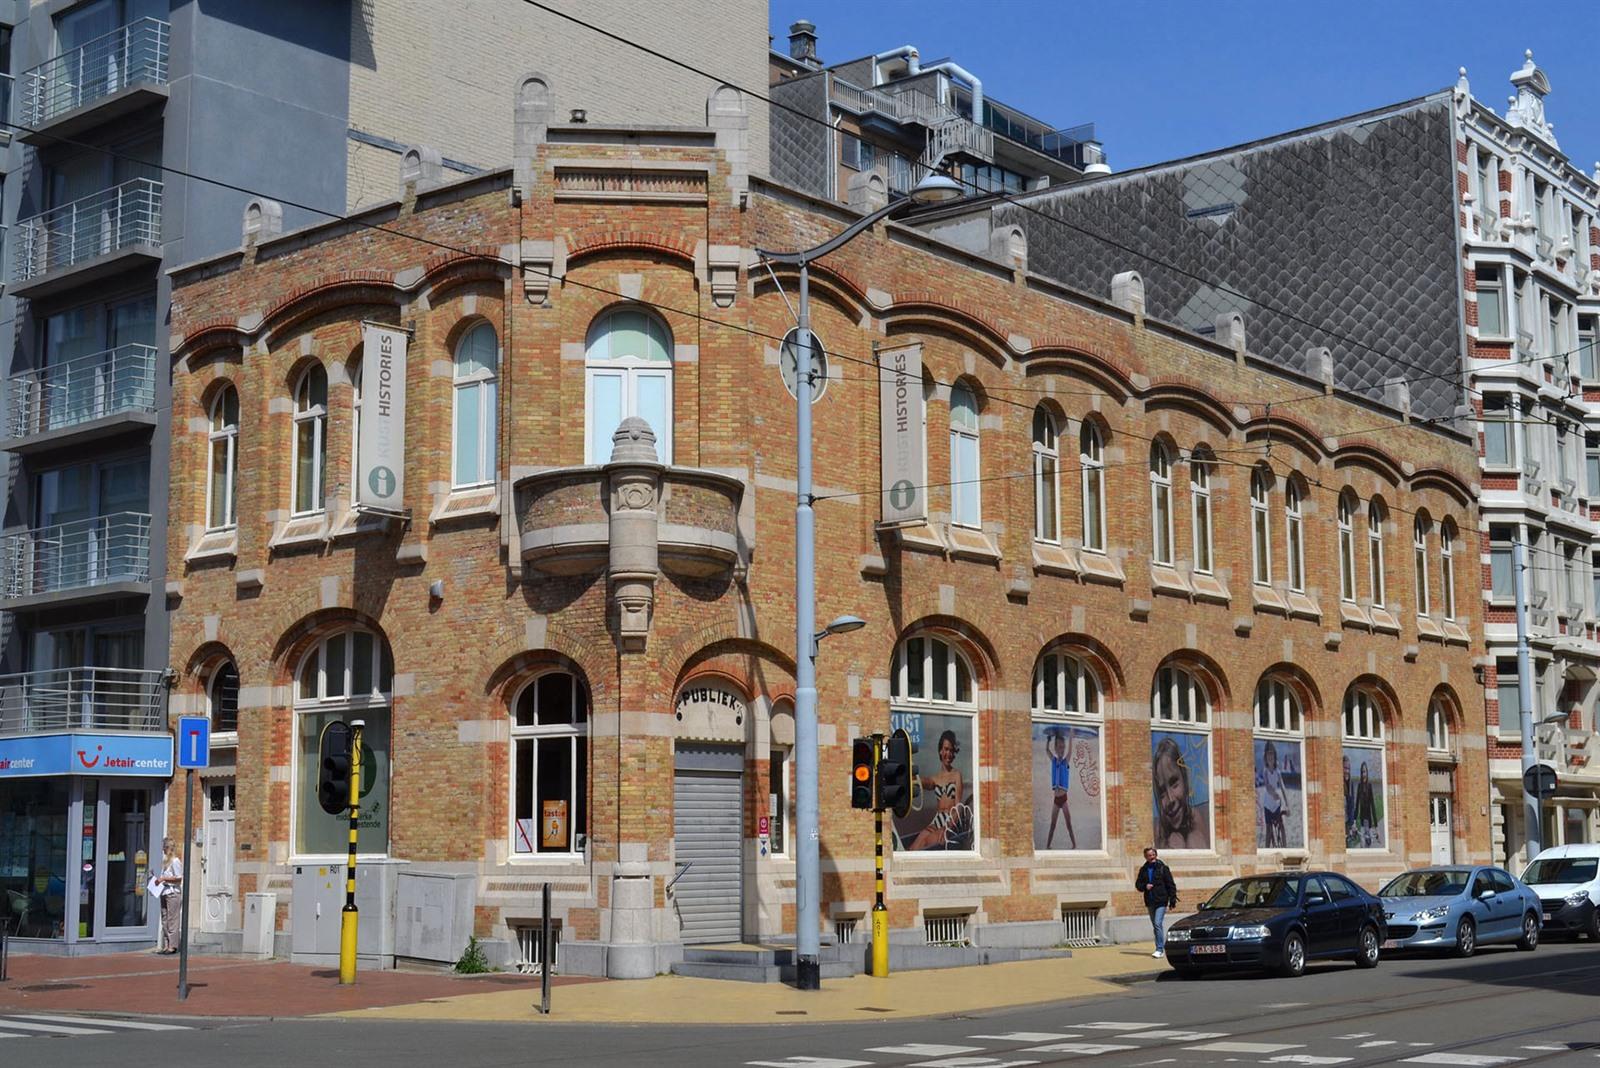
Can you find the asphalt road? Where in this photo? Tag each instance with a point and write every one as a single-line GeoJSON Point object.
{"type": "Point", "coordinates": [1500, 1008]}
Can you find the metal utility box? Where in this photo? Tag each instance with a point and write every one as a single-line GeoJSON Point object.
{"type": "Point", "coordinates": [433, 914]}
{"type": "Point", "coordinates": [260, 924]}
{"type": "Point", "coordinates": [318, 900]}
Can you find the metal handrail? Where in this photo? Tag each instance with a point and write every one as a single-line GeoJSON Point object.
{"type": "Point", "coordinates": [683, 869]}
{"type": "Point", "coordinates": [130, 55]}
{"type": "Point", "coordinates": [82, 389]}
{"type": "Point", "coordinates": [82, 698]}
{"type": "Point", "coordinates": [77, 555]}
{"type": "Point", "coordinates": [112, 219]}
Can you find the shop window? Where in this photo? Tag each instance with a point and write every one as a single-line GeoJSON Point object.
{"type": "Point", "coordinates": [1180, 760]}
{"type": "Point", "coordinates": [1068, 755]}
{"type": "Point", "coordinates": [346, 676]}
{"type": "Point", "coordinates": [1279, 767]}
{"type": "Point", "coordinates": [1362, 763]}
{"type": "Point", "coordinates": [550, 766]}
{"type": "Point", "coordinates": [932, 699]}
{"type": "Point", "coordinates": [628, 371]}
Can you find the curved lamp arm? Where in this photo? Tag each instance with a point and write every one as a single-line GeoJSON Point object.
{"type": "Point", "coordinates": [839, 240]}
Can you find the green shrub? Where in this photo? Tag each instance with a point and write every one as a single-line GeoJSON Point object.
{"type": "Point", "coordinates": [473, 961]}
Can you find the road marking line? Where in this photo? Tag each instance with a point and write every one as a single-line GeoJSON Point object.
{"type": "Point", "coordinates": [1286, 1005]}
{"type": "Point", "coordinates": [54, 1029]}
{"type": "Point", "coordinates": [973, 1062]}
{"type": "Point", "coordinates": [7, 1034]}
{"type": "Point", "coordinates": [1112, 1025]}
{"type": "Point", "coordinates": [1467, 1060]}
{"type": "Point", "coordinates": [1178, 1036]}
{"type": "Point", "coordinates": [1546, 1049]}
{"type": "Point", "coordinates": [922, 1049]}
{"type": "Point", "coordinates": [809, 1062]}
{"type": "Point", "coordinates": [1248, 1047]}
{"type": "Point", "coordinates": [1092, 1049]}
{"type": "Point", "coordinates": [132, 1025]}
{"type": "Point", "coordinates": [1379, 1042]}
{"type": "Point", "coordinates": [1306, 1058]}
{"type": "Point", "coordinates": [1026, 1036]}
{"type": "Point", "coordinates": [1354, 1035]}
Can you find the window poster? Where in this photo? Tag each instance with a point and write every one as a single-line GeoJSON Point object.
{"type": "Point", "coordinates": [1280, 794]}
{"type": "Point", "coordinates": [1363, 798]}
{"type": "Point", "coordinates": [1066, 787]}
{"type": "Point", "coordinates": [943, 812]}
{"type": "Point", "coordinates": [1180, 777]}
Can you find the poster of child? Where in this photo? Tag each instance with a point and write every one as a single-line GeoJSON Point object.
{"type": "Point", "coordinates": [1180, 777]}
{"type": "Point", "coordinates": [1280, 795]}
{"type": "Point", "coordinates": [942, 815]}
{"type": "Point", "coordinates": [1363, 799]}
{"type": "Point", "coordinates": [1066, 787]}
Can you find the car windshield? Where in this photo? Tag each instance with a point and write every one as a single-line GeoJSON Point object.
{"type": "Point", "coordinates": [1561, 870]}
{"type": "Point", "coordinates": [1426, 884]}
{"type": "Point", "coordinates": [1272, 892]}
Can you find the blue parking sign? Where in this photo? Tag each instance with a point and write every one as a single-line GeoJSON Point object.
{"type": "Point", "coordinates": [194, 742]}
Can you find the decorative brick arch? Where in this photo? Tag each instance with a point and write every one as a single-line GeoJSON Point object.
{"type": "Point", "coordinates": [738, 662]}
{"type": "Point", "coordinates": [511, 653]}
{"type": "Point", "coordinates": [351, 288]}
{"type": "Point", "coordinates": [677, 656]}
{"type": "Point", "coordinates": [595, 241]}
{"type": "Point", "coordinates": [1092, 653]}
{"type": "Point", "coordinates": [826, 281]}
{"type": "Point", "coordinates": [970, 639]}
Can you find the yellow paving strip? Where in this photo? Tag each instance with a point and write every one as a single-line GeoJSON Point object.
{"type": "Point", "coordinates": [904, 995]}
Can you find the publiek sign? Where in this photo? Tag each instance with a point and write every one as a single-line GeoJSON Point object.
{"type": "Point", "coordinates": [380, 480]}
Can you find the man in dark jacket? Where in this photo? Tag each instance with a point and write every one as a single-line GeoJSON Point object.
{"type": "Point", "coordinates": [1160, 893]}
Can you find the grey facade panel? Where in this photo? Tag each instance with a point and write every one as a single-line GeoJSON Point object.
{"type": "Point", "coordinates": [801, 155]}
{"type": "Point", "coordinates": [1342, 236]}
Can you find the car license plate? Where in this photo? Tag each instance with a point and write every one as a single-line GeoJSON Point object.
{"type": "Point", "coordinates": [1208, 949]}
{"type": "Point", "coordinates": [1547, 917]}
{"type": "Point", "coordinates": [1391, 944]}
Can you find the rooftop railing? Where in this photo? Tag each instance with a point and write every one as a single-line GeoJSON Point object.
{"type": "Point", "coordinates": [82, 390]}
{"type": "Point", "coordinates": [121, 217]}
{"type": "Point", "coordinates": [906, 105]}
{"type": "Point", "coordinates": [78, 555]}
{"type": "Point", "coordinates": [131, 55]}
{"type": "Point", "coordinates": [82, 698]}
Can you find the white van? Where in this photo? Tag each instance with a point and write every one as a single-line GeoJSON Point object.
{"type": "Point", "coordinates": [1567, 880]}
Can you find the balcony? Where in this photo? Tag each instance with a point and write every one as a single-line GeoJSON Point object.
{"type": "Point", "coordinates": [903, 105]}
{"type": "Point", "coordinates": [75, 562]}
{"type": "Point", "coordinates": [88, 239]}
{"type": "Point", "coordinates": [81, 399]}
{"type": "Point", "coordinates": [104, 79]}
{"type": "Point", "coordinates": [65, 700]}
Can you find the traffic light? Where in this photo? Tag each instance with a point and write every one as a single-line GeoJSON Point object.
{"type": "Point", "coordinates": [894, 775]}
{"type": "Point", "coordinates": [334, 769]}
{"type": "Point", "coordinates": [862, 768]}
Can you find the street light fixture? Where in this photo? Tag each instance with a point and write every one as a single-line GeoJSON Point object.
{"type": "Point", "coordinates": [934, 188]}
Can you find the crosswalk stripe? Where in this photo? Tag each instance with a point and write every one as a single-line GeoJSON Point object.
{"type": "Point", "coordinates": [1089, 1049]}
{"type": "Point", "coordinates": [53, 1029]}
{"type": "Point", "coordinates": [1113, 1025]}
{"type": "Point", "coordinates": [132, 1025]}
{"type": "Point", "coordinates": [1465, 1060]}
{"type": "Point", "coordinates": [1026, 1036]}
{"type": "Point", "coordinates": [7, 1034]}
{"type": "Point", "coordinates": [924, 1049]}
{"type": "Point", "coordinates": [1248, 1047]}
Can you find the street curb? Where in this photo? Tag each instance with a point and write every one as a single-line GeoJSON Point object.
{"type": "Point", "coordinates": [1131, 978]}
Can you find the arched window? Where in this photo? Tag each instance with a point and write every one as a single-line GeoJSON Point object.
{"type": "Point", "coordinates": [477, 364]}
{"type": "Point", "coordinates": [628, 371]}
{"type": "Point", "coordinates": [1092, 461]}
{"type": "Point", "coordinates": [1180, 760]}
{"type": "Point", "coordinates": [1046, 477]}
{"type": "Point", "coordinates": [965, 499]}
{"type": "Point", "coordinates": [1365, 802]}
{"type": "Point", "coordinates": [310, 461]}
{"type": "Point", "coordinates": [550, 766]}
{"type": "Point", "coordinates": [1068, 755]}
{"type": "Point", "coordinates": [1375, 518]}
{"type": "Point", "coordinates": [222, 445]}
{"type": "Point", "coordinates": [1261, 526]}
{"type": "Point", "coordinates": [931, 697]}
{"type": "Point", "coordinates": [1279, 767]}
{"type": "Point", "coordinates": [1200, 507]}
{"type": "Point", "coordinates": [1294, 536]}
{"type": "Point", "coordinates": [1438, 727]}
{"type": "Point", "coordinates": [1419, 554]}
{"type": "Point", "coordinates": [1160, 504]}
{"type": "Point", "coordinates": [1447, 569]}
{"type": "Point", "coordinates": [222, 699]}
{"type": "Point", "coordinates": [1347, 546]}
{"type": "Point", "coordinates": [346, 676]}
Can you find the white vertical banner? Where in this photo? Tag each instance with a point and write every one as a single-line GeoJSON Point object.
{"type": "Point", "coordinates": [380, 478]}
{"type": "Point", "coordinates": [901, 435]}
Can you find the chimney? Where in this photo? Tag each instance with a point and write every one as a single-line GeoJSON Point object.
{"type": "Point", "coordinates": [803, 43]}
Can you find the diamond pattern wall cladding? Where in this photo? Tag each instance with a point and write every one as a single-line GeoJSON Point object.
{"type": "Point", "coordinates": [1348, 228]}
{"type": "Point", "coordinates": [798, 146]}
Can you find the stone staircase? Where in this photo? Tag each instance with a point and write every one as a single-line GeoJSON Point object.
{"type": "Point", "coordinates": [753, 963]}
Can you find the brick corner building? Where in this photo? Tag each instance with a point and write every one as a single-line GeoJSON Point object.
{"type": "Point", "coordinates": [1148, 587]}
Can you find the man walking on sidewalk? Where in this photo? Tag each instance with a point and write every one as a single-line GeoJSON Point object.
{"type": "Point", "coordinates": [1160, 893]}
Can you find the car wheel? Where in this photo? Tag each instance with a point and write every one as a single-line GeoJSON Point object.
{"type": "Point", "coordinates": [1466, 937]}
{"type": "Point", "coordinates": [1294, 956]}
{"type": "Point", "coordinates": [1592, 929]}
{"type": "Point", "coordinates": [1530, 932]}
{"type": "Point", "coordinates": [1367, 948]}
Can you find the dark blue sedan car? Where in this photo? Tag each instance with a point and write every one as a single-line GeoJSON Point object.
{"type": "Point", "coordinates": [1278, 923]}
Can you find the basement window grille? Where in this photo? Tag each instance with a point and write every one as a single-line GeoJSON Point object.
{"type": "Point", "coordinates": [946, 929]}
{"type": "Point", "coordinates": [1080, 927]}
{"type": "Point", "coordinates": [844, 929]}
{"type": "Point", "coordinates": [530, 953]}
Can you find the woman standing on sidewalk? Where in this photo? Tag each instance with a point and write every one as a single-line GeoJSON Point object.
{"type": "Point", "coordinates": [171, 880]}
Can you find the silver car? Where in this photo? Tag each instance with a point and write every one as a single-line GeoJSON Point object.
{"type": "Point", "coordinates": [1459, 908]}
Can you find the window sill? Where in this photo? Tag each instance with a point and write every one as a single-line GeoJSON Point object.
{"type": "Point", "coordinates": [1098, 567]}
{"type": "Point", "coordinates": [1208, 587]}
{"type": "Point", "coordinates": [215, 546]}
{"type": "Point", "coordinates": [304, 532]}
{"type": "Point", "coordinates": [1352, 615]}
{"type": "Point", "coordinates": [528, 859]}
{"type": "Point", "coordinates": [1429, 629]}
{"type": "Point", "coordinates": [969, 543]}
{"type": "Point", "coordinates": [1266, 599]}
{"type": "Point", "coordinates": [1165, 579]}
{"type": "Point", "coordinates": [355, 523]}
{"type": "Point", "coordinates": [1303, 607]}
{"type": "Point", "coordinates": [1052, 559]}
{"type": "Point", "coordinates": [1383, 621]}
{"type": "Point", "coordinates": [461, 505]}
{"type": "Point", "coordinates": [921, 537]}
{"type": "Point", "coordinates": [1456, 634]}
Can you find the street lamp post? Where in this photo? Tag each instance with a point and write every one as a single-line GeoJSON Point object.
{"type": "Point", "coordinates": [933, 189]}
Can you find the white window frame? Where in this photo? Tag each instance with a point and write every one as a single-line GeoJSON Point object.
{"type": "Point", "coordinates": [1092, 461]}
{"type": "Point", "coordinates": [1508, 430]}
{"type": "Point", "coordinates": [1046, 477]}
{"type": "Point", "coordinates": [1260, 528]}
{"type": "Point", "coordinates": [316, 415]}
{"type": "Point", "coordinates": [1447, 569]}
{"type": "Point", "coordinates": [1376, 516]}
{"type": "Point", "coordinates": [578, 735]}
{"type": "Point", "coordinates": [958, 673]}
{"type": "Point", "coordinates": [1348, 586]}
{"type": "Point", "coordinates": [1089, 712]}
{"type": "Point", "coordinates": [1278, 717]}
{"type": "Point", "coordinates": [1421, 528]}
{"type": "Point", "coordinates": [224, 437]}
{"type": "Point", "coordinates": [1200, 511]}
{"type": "Point", "coordinates": [1510, 724]}
{"type": "Point", "coordinates": [1491, 289]}
{"type": "Point", "coordinates": [1294, 535]}
{"type": "Point", "coordinates": [966, 487]}
{"type": "Point", "coordinates": [1160, 504]}
{"type": "Point", "coordinates": [214, 700]}
{"type": "Point", "coordinates": [484, 384]}
{"type": "Point", "coordinates": [322, 701]}
{"type": "Point", "coordinates": [1438, 725]}
{"type": "Point", "coordinates": [629, 371]}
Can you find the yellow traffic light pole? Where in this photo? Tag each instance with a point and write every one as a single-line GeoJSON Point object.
{"type": "Point", "coordinates": [348, 919]}
{"type": "Point", "coordinates": [880, 911]}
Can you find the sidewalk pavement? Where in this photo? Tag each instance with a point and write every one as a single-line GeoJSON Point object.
{"type": "Point", "coordinates": [674, 999]}
{"type": "Point", "coordinates": [144, 983]}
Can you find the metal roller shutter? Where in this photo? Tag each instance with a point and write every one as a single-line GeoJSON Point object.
{"type": "Point", "coordinates": [707, 824]}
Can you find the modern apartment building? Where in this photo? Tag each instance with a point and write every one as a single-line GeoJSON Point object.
{"type": "Point", "coordinates": [1440, 259]}
{"type": "Point", "coordinates": [138, 132]}
{"type": "Point", "coordinates": [894, 115]}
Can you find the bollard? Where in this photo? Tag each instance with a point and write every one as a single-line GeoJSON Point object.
{"type": "Point", "coordinates": [547, 951]}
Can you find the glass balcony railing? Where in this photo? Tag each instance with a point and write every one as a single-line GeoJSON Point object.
{"type": "Point", "coordinates": [75, 556]}
{"type": "Point", "coordinates": [135, 54]}
{"type": "Point", "coordinates": [82, 698]}
{"type": "Point", "coordinates": [123, 216]}
{"type": "Point", "coordinates": [82, 390]}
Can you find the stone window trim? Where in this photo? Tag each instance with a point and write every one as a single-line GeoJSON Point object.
{"type": "Point", "coordinates": [525, 714]}
{"type": "Point", "coordinates": [214, 545]}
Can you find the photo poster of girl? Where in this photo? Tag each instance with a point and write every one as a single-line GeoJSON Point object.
{"type": "Point", "coordinates": [1363, 798]}
{"type": "Point", "coordinates": [942, 816]}
{"type": "Point", "coordinates": [1280, 795]}
{"type": "Point", "coordinates": [1066, 787]}
{"type": "Point", "coordinates": [1180, 777]}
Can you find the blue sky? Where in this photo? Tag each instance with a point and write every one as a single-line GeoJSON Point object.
{"type": "Point", "coordinates": [1163, 79]}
